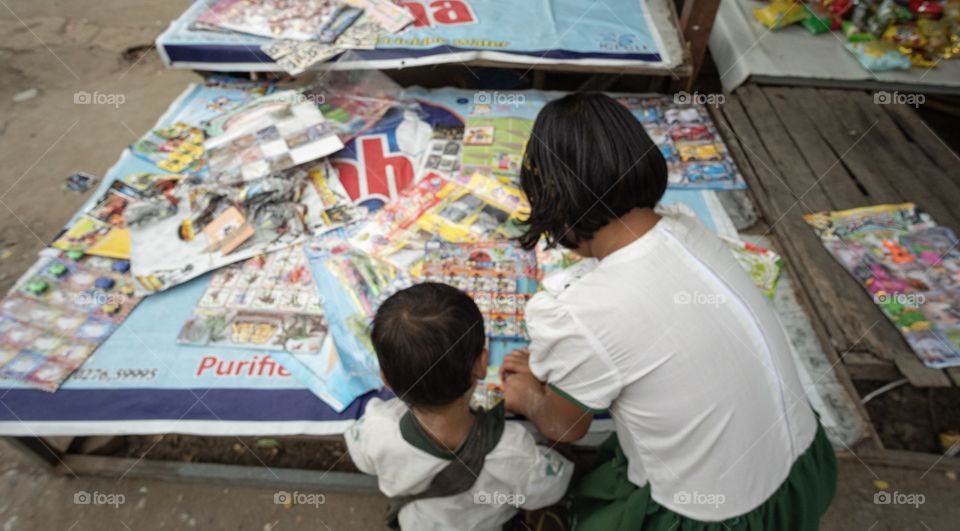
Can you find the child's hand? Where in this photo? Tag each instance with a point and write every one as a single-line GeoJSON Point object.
{"type": "Point", "coordinates": [523, 393]}
{"type": "Point", "coordinates": [517, 362]}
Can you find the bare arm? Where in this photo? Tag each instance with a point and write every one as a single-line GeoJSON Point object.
{"type": "Point", "coordinates": [555, 416]}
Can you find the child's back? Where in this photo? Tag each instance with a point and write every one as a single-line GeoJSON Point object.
{"type": "Point", "coordinates": [442, 465]}
{"type": "Point", "coordinates": [388, 442]}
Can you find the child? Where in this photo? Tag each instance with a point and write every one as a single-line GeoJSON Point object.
{"type": "Point", "coordinates": [668, 334]}
{"type": "Point", "coordinates": [442, 465]}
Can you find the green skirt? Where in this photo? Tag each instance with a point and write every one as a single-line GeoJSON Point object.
{"type": "Point", "coordinates": [605, 500]}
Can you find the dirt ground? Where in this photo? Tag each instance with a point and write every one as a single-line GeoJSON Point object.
{"type": "Point", "coordinates": [62, 48]}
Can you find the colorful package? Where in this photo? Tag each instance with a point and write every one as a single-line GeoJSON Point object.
{"type": "Point", "coordinates": [911, 267]}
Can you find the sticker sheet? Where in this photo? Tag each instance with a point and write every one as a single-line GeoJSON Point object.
{"type": "Point", "coordinates": [500, 277]}
{"type": "Point", "coordinates": [266, 302]}
{"type": "Point", "coordinates": [57, 314]}
{"type": "Point", "coordinates": [282, 139]}
{"type": "Point", "coordinates": [909, 265]}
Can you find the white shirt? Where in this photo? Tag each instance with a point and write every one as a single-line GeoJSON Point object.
{"type": "Point", "coordinates": [671, 335]}
{"type": "Point", "coordinates": [516, 473]}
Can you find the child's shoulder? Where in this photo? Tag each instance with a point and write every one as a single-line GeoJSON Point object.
{"type": "Point", "coordinates": [516, 443]}
{"type": "Point", "coordinates": [379, 416]}
{"type": "Point", "coordinates": [390, 410]}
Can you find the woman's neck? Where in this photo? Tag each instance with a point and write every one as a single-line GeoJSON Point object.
{"type": "Point", "coordinates": [447, 426]}
{"type": "Point", "coordinates": [620, 232]}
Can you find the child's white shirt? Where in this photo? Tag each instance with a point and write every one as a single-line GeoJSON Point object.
{"type": "Point", "coordinates": [673, 338]}
{"type": "Point", "coordinates": [517, 473]}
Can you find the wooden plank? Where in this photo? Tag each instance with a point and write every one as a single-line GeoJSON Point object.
{"type": "Point", "coordinates": [866, 366]}
{"type": "Point", "coordinates": [696, 23]}
{"type": "Point", "coordinates": [791, 170]}
{"type": "Point", "coordinates": [841, 304]}
{"type": "Point", "coordinates": [924, 138]}
{"type": "Point", "coordinates": [822, 157]}
{"type": "Point", "coordinates": [844, 132]}
{"type": "Point", "coordinates": [252, 476]}
{"type": "Point", "coordinates": [752, 162]}
{"type": "Point", "coordinates": [912, 174]}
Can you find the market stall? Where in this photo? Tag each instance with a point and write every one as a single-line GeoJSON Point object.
{"type": "Point", "coordinates": [625, 36]}
{"type": "Point", "coordinates": [746, 50]}
{"type": "Point", "coordinates": [183, 381]}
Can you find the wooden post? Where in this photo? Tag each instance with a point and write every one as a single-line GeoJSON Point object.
{"type": "Point", "coordinates": [696, 24]}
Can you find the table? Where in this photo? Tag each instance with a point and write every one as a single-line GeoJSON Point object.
{"type": "Point", "coordinates": [616, 36]}
{"type": "Point", "coordinates": [745, 50]}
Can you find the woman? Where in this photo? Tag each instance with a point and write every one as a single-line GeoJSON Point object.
{"type": "Point", "coordinates": [669, 335]}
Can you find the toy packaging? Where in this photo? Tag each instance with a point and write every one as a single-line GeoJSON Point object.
{"type": "Point", "coordinates": [500, 277]}
{"type": "Point", "coordinates": [695, 154]}
{"type": "Point", "coordinates": [881, 34]}
{"type": "Point", "coordinates": [763, 265]}
{"type": "Point", "coordinates": [174, 149]}
{"type": "Point", "coordinates": [909, 265]}
{"type": "Point", "coordinates": [266, 302]}
{"type": "Point", "coordinates": [444, 153]}
{"type": "Point", "coordinates": [199, 228]}
{"type": "Point", "coordinates": [58, 312]}
{"type": "Point", "coordinates": [285, 138]}
{"type": "Point", "coordinates": [100, 230]}
{"type": "Point", "coordinates": [352, 285]}
{"type": "Point", "coordinates": [494, 146]}
{"type": "Point", "coordinates": [461, 210]}
{"type": "Point", "coordinates": [279, 19]}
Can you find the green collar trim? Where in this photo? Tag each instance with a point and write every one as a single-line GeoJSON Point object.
{"type": "Point", "coordinates": [491, 422]}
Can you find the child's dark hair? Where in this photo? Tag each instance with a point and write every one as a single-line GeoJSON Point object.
{"type": "Point", "coordinates": [588, 161]}
{"type": "Point", "coordinates": [428, 338]}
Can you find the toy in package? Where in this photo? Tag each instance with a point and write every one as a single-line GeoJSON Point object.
{"type": "Point", "coordinates": [909, 265]}
{"type": "Point", "coordinates": [57, 314]}
{"type": "Point", "coordinates": [461, 210]}
{"type": "Point", "coordinates": [695, 154]}
{"type": "Point", "coordinates": [498, 276]}
{"type": "Point", "coordinates": [176, 149]}
{"type": "Point", "coordinates": [266, 302]}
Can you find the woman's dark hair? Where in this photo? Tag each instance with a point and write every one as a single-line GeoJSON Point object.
{"type": "Point", "coordinates": [588, 161]}
{"type": "Point", "coordinates": [427, 338]}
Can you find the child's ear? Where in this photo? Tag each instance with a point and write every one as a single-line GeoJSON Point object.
{"type": "Point", "coordinates": [384, 380]}
{"type": "Point", "coordinates": [480, 366]}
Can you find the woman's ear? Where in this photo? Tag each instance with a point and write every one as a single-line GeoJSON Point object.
{"type": "Point", "coordinates": [480, 366]}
